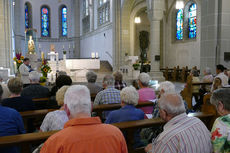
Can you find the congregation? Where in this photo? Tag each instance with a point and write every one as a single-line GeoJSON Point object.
{"type": "Point", "coordinates": [81, 130]}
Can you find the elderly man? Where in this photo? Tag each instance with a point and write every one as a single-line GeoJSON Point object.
{"type": "Point", "coordinates": [221, 128]}
{"type": "Point", "coordinates": [24, 70]}
{"type": "Point", "coordinates": [11, 124]}
{"type": "Point", "coordinates": [35, 90]}
{"type": "Point", "coordinates": [83, 133]}
{"type": "Point", "coordinates": [93, 87]}
{"type": "Point", "coordinates": [108, 96]}
{"type": "Point", "coordinates": [182, 134]}
{"type": "Point", "coordinates": [128, 112]}
{"type": "Point", "coordinates": [145, 93]}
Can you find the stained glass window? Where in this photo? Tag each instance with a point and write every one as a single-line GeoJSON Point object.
{"type": "Point", "coordinates": [45, 22]}
{"type": "Point", "coordinates": [64, 21]}
{"type": "Point", "coordinates": [103, 11]}
{"type": "Point", "coordinates": [192, 21]}
{"type": "Point", "coordinates": [27, 15]}
{"type": "Point", "coordinates": [179, 24]}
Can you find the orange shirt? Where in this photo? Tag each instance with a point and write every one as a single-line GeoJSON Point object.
{"type": "Point", "coordinates": [86, 135]}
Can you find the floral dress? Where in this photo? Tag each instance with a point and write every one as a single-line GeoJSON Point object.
{"type": "Point", "coordinates": [221, 135]}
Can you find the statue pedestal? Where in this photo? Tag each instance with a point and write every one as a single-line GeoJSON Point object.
{"type": "Point", "coordinates": [33, 60]}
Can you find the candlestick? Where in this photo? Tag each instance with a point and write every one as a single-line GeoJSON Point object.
{"type": "Point", "coordinates": [69, 46]}
{"type": "Point", "coordinates": [73, 45]}
{"type": "Point", "coordinates": [15, 66]}
{"type": "Point", "coordinates": [63, 46]}
{"type": "Point", "coordinates": [39, 46]}
{"type": "Point", "coordinates": [42, 56]}
{"type": "Point", "coordinates": [96, 54]}
{"type": "Point", "coordinates": [92, 55]}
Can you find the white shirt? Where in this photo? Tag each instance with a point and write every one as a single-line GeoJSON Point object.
{"type": "Point", "coordinates": [224, 78]}
{"type": "Point", "coordinates": [183, 134]}
{"type": "Point", "coordinates": [24, 71]}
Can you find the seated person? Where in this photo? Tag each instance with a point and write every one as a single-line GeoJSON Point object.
{"type": "Point", "coordinates": [182, 134]}
{"type": "Point", "coordinates": [35, 90]}
{"type": "Point", "coordinates": [93, 87]}
{"type": "Point", "coordinates": [55, 120]}
{"type": "Point", "coordinates": [217, 83]}
{"type": "Point", "coordinates": [118, 77]}
{"type": "Point", "coordinates": [128, 112]}
{"type": "Point", "coordinates": [145, 93]}
{"type": "Point", "coordinates": [108, 96]}
{"type": "Point", "coordinates": [11, 124]}
{"type": "Point", "coordinates": [61, 80]}
{"type": "Point", "coordinates": [220, 74]}
{"type": "Point", "coordinates": [15, 100]}
{"type": "Point", "coordinates": [83, 133]}
{"type": "Point", "coordinates": [221, 127]}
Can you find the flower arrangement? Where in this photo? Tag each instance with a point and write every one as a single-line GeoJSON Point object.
{"type": "Point", "coordinates": [18, 59]}
{"type": "Point", "coordinates": [136, 66]}
{"type": "Point", "coordinates": [45, 68]}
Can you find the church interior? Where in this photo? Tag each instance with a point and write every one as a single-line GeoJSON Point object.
{"type": "Point", "coordinates": [161, 51]}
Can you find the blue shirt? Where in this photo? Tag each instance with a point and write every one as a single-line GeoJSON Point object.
{"type": "Point", "coordinates": [127, 113]}
{"type": "Point", "coordinates": [10, 124]}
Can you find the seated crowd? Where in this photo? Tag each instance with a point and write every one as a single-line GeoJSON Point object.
{"type": "Point", "coordinates": [82, 131]}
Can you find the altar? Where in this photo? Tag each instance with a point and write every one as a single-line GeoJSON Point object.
{"type": "Point", "coordinates": [81, 64]}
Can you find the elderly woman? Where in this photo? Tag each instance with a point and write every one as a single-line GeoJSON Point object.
{"type": "Point", "coordinates": [221, 127]}
{"type": "Point", "coordinates": [207, 75]}
{"type": "Point", "coordinates": [15, 100]}
{"type": "Point", "coordinates": [93, 87]}
{"type": "Point", "coordinates": [128, 112]}
{"type": "Point", "coordinates": [145, 93]}
{"type": "Point", "coordinates": [118, 77]}
{"type": "Point", "coordinates": [55, 120]}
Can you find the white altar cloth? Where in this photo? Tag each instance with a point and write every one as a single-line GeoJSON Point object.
{"type": "Point", "coordinates": [80, 64]}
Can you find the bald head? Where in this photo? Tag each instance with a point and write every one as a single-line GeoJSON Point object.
{"type": "Point", "coordinates": [172, 104]}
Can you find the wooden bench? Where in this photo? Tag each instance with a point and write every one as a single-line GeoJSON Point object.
{"type": "Point", "coordinates": [25, 140]}
{"type": "Point", "coordinates": [99, 109]}
{"type": "Point", "coordinates": [187, 92]}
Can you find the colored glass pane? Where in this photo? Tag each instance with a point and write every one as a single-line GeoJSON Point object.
{"type": "Point", "coordinates": [26, 16]}
{"type": "Point", "coordinates": [192, 21]}
{"type": "Point", "coordinates": [64, 21]}
{"type": "Point", "coordinates": [45, 22]}
{"type": "Point", "coordinates": [179, 24]}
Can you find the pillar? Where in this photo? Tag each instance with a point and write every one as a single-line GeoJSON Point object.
{"type": "Point", "coordinates": [155, 14]}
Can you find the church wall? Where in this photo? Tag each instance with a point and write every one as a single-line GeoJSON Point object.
{"type": "Point", "coordinates": [183, 52]}
{"type": "Point", "coordinates": [98, 38]}
{"type": "Point", "coordinates": [101, 42]}
{"type": "Point", "coordinates": [55, 38]}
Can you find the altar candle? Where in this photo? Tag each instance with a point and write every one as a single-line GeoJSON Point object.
{"type": "Point", "coordinates": [15, 66]}
{"type": "Point", "coordinates": [96, 54]}
{"type": "Point", "coordinates": [93, 55]}
{"type": "Point", "coordinates": [57, 57]}
{"type": "Point", "coordinates": [73, 45]}
{"type": "Point", "coordinates": [63, 46]}
{"type": "Point", "coordinates": [42, 56]}
{"type": "Point", "coordinates": [69, 46]}
{"type": "Point", "coordinates": [39, 46]}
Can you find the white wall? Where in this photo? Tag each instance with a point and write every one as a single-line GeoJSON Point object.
{"type": "Point", "coordinates": [100, 42]}
{"type": "Point", "coordinates": [185, 52]}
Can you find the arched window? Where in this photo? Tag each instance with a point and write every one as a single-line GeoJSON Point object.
{"type": "Point", "coordinates": [45, 21]}
{"type": "Point", "coordinates": [192, 21]}
{"type": "Point", "coordinates": [64, 21]}
{"type": "Point", "coordinates": [179, 24]}
{"type": "Point", "coordinates": [28, 15]}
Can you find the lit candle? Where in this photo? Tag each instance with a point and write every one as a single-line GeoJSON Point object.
{"type": "Point", "coordinates": [42, 56]}
{"type": "Point", "coordinates": [15, 66]}
{"type": "Point", "coordinates": [93, 55]}
{"type": "Point", "coordinates": [96, 54]}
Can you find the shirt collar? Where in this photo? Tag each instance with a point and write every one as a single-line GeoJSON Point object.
{"type": "Point", "coordinates": [83, 121]}
{"type": "Point", "coordinates": [175, 120]}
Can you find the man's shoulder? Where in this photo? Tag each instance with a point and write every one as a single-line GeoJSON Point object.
{"type": "Point", "coordinates": [9, 111]}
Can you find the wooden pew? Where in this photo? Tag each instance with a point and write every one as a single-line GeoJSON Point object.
{"type": "Point", "coordinates": [99, 109]}
{"type": "Point", "coordinates": [187, 92]}
{"type": "Point", "coordinates": [26, 140]}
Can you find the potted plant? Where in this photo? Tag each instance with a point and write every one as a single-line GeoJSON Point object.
{"type": "Point", "coordinates": [43, 81]}
{"type": "Point", "coordinates": [136, 66]}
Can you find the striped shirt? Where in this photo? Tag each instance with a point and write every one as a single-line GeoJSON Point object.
{"type": "Point", "coordinates": [183, 134]}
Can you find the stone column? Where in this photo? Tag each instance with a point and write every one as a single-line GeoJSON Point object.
{"type": "Point", "coordinates": [155, 14]}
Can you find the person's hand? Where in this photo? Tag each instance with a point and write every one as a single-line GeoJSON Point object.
{"type": "Point", "coordinates": [148, 148]}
